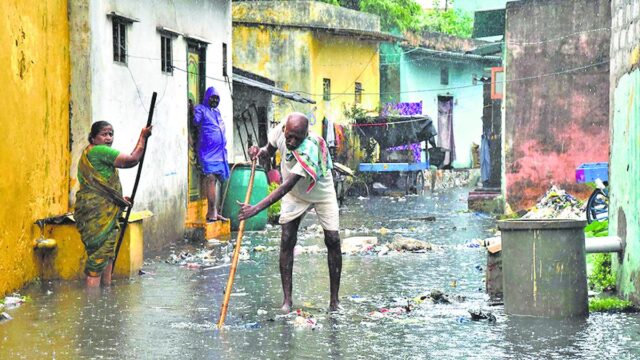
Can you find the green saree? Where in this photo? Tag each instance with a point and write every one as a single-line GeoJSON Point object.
{"type": "Point", "coordinates": [99, 205]}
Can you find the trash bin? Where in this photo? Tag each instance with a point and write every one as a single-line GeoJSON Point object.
{"type": "Point", "coordinates": [544, 269]}
{"type": "Point", "coordinates": [239, 181]}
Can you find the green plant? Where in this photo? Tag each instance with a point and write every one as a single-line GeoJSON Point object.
{"type": "Point", "coordinates": [609, 304]}
{"type": "Point", "coordinates": [602, 277]}
{"type": "Point", "coordinates": [273, 212]}
{"type": "Point", "coordinates": [597, 229]}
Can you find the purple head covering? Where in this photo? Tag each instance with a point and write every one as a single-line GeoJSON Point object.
{"type": "Point", "coordinates": [212, 152]}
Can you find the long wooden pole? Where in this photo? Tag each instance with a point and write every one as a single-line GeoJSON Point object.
{"type": "Point", "coordinates": [135, 184]}
{"type": "Point", "coordinates": [236, 252]}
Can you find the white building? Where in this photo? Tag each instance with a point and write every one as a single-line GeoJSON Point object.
{"type": "Point", "coordinates": [121, 52]}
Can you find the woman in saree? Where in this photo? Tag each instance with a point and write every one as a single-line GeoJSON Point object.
{"type": "Point", "coordinates": [99, 202]}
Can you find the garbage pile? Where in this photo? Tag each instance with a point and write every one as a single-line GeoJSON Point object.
{"type": "Point", "coordinates": [204, 258]}
{"type": "Point", "coordinates": [407, 305]}
{"type": "Point", "coordinates": [368, 245]}
{"type": "Point", "coordinates": [557, 204]}
{"type": "Point", "coordinates": [11, 302]}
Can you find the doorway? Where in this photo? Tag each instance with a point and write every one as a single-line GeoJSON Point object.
{"type": "Point", "coordinates": [445, 129]}
{"type": "Point", "coordinates": [196, 70]}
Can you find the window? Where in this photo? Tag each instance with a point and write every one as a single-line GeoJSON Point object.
{"type": "Point", "coordinates": [224, 60]}
{"type": "Point", "coordinates": [497, 83]}
{"type": "Point", "coordinates": [119, 41]}
{"type": "Point", "coordinates": [166, 54]}
{"type": "Point", "coordinates": [444, 75]}
{"type": "Point", "coordinates": [358, 92]}
{"type": "Point", "coordinates": [326, 89]}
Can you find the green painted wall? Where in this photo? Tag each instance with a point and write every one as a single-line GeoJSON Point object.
{"type": "Point", "coordinates": [624, 169]}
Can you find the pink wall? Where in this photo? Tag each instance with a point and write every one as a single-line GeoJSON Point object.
{"type": "Point", "coordinates": [557, 95]}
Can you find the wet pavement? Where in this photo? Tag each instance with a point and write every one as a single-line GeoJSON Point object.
{"type": "Point", "coordinates": [171, 311]}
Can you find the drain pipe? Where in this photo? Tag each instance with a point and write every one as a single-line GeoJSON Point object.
{"type": "Point", "coordinates": [604, 244]}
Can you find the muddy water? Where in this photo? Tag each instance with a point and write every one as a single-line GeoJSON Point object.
{"type": "Point", "coordinates": [171, 311]}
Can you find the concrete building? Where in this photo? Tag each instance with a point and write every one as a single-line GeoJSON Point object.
{"type": "Point", "coordinates": [556, 99]}
{"type": "Point", "coordinates": [324, 52]}
{"type": "Point", "coordinates": [253, 110]}
{"type": "Point", "coordinates": [436, 69]}
{"type": "Point", "coordinates": [123, 51]}
{"type": "Point", "coordinates": [624, 161]}
{"type": "Point", "coordinates": [35, 119]}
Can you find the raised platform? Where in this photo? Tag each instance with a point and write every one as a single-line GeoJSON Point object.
{"type": "Point", "coordinates": [487, 200]}
{"type": "Point", "coordinates": [65, 260]}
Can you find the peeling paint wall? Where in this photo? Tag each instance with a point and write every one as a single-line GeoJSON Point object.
{"type": "Point", "coordinates": [557, 95]}
{"type": "Point", "coordinates": [121, 94]}
{"type": "Point", "coordinates": [298, 57]}
{"type": "Point", "coordinates": [280, 55]}
{"type": "Point", "coordinates": [624, 170]}
{"type": "Point", "coordinates": [35, 120]}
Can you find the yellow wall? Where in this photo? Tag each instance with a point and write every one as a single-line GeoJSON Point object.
{"type": "Point", "coordinates": [34, 73]}
{"type": "Point", "coordinates": [345, 61]}
{"type": "Point", "coordinates": [281, 55]}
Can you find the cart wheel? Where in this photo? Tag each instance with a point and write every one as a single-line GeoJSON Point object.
{"type": "Point", "coordinates": [598, 206]}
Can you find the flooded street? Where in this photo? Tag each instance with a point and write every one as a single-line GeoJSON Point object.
{"type": "Point", "coordinates": [171, 311]}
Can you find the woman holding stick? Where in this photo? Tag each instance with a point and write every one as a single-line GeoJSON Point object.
{"type": "Point", "coordinates": [99, 202]}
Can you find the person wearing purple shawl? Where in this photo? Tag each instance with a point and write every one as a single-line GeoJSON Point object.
{"type": "Point", "coordinates": [211, 148]}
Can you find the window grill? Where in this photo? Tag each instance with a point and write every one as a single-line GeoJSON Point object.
{"type": "Point", "coordinates": [166, 50]}
{"type": "Point", "coordinates": [119, 41]}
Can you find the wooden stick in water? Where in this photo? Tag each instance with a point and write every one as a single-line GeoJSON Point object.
{"type": "Point", "coordinates": [236, 252]}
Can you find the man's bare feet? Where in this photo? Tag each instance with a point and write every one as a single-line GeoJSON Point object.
{"type": "Point", "coordinates": [334, 306]}
{"type": "Point", "coordinates": [93, 281]}
{"type": "Point", "coordinates": [286, 307]}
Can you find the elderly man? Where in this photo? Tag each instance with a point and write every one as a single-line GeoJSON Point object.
{"type": "Point", "coordinates": [308, 183]}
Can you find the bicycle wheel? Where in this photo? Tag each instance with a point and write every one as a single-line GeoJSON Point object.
{"type": "Point", "coordinates": [598, 206]}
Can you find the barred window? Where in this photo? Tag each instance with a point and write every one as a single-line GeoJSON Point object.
{"type": "Point", "coordinates": [119, 41]}
{"type": "Point", "coordinates": [166, 54]}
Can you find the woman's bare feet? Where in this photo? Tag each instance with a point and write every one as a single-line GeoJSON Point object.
{"type": "Point", "coordinates": [93, 281]}
{"type": "Point", "coordinates": [106, 274]}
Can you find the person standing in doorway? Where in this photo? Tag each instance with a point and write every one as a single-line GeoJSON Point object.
{"type": "Point", "coordinates": [211, 148]}
{"type": "Point", "coordinates": [306, 169]}
{"type": "Point", "coordinates": [99, 201]}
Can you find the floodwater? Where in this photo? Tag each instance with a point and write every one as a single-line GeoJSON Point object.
{"type": "Point", "coordinates": [171, 311]}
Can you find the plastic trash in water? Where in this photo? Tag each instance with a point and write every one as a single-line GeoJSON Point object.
{"type": "Point", "coordinates": [478, 267]}
{"type": "Point", "coordinates": [253, 325]}
{"type": "Point", "coordinates": [262, 312]}
{"type": "Point", "coordinates": [357, 298]}
{"type": "Point", "coordinates": [462, 320]}
{"type": "Point", "coordinates": [5, 317]}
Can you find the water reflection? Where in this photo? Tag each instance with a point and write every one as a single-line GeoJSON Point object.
{"type": "Point", "coordinates": [171, 311]}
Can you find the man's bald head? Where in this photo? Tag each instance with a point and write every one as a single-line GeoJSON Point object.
{"type": "Point", "coordinates": [296, 130]}
{"type": "Point", "coordinates": [298, 121]}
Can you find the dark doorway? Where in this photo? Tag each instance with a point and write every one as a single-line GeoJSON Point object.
{"type": "Point", "coordinates": [445, 129]}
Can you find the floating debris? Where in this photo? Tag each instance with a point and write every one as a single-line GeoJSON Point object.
{"type": "Point", "coordinates": [402, 243]}
{"type": "Point", "coordinates": [477, 315]}
{"type": "Point", "coordinates": [14, 301]}
{"type": "Point", "coordinates": [358, 244]}
{"type": "Point", "coordinates": [5, 317]}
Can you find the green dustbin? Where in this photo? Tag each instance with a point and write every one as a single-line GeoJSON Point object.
{"type": "Point", "coordinates": [543, 268]}
{"type": "Point", "coordinates": [239, 181]}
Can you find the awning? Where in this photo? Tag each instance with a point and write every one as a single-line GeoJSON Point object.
{"type": "Point", "coordinates": [272, 89]}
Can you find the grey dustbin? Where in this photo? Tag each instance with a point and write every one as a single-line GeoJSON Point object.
{"type": "Point", "coordinates": [543, 266]}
